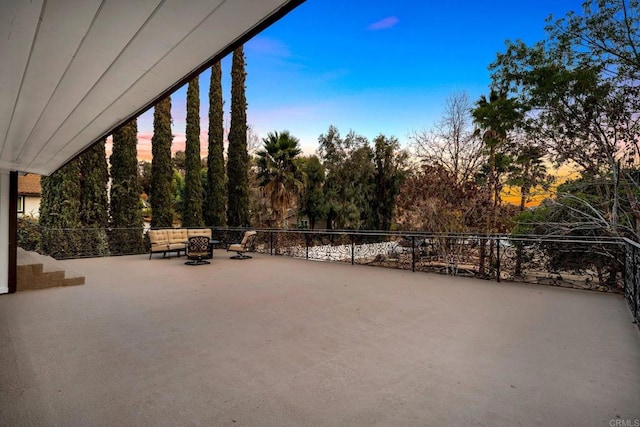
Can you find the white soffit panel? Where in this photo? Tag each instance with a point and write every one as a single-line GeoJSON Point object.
{"type": "Point", "coordinates": [73, 70]}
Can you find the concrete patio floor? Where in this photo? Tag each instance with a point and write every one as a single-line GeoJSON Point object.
{"type": "Point", "coordinates": [274, 341]}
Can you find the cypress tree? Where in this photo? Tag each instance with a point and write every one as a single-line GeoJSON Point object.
{"type": "Point", "coordinates": [126, 213]}
{"type": "Point", "coordinates": [237, 156]}
{"type": "Point", "coordinates": [192, 201]}
{"type": "Point", "coordinates": [94, 176]}
{"type": "Point", "coordinates": [94, 203]}
{"type": "Point", "coordinates": [215, 206]}
{"type": "Point", "coordinates": [59, 212]}
{"type": "Point", "coordinates": [161, 170]}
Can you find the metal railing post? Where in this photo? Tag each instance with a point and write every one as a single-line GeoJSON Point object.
{"type": "Point", "coordinates": [353, 247]}
{"type": "Point", "coordinates": [271, 243]}
{"type": "Point", "coordinates": [306, 241]}
{"type": "Point", "coordinates": [630, 279]}
{"type": "Point", "coordinates": [634, 297]}
{"type": "Point", "coordinates": [498, 259]}
{"type": "Point", "coordinates": [413, 253]}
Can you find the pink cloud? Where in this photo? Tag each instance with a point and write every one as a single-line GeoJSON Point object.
{"type": "Point", "coordinates": [177, 144]}
{"type": "Point", "coordinates": [383, 24]}
{"type": "Point", "coordinates": [143, 136]}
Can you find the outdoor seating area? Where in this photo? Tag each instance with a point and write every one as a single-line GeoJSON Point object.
{"type": "Point", "coordinates": [170, 240]}
{"type": "Point", "coordinates": [312, 343]}
{"type": "Point", "coordinates": [177, 240]}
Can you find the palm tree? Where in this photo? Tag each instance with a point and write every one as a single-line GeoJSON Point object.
{"type": "Point", "coordinates": [280, 177]}
{"type": "Point", "coordinates": [495, 117]}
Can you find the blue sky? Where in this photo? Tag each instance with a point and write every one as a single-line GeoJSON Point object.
{"type": "Point", "coordinates": [369, 66]}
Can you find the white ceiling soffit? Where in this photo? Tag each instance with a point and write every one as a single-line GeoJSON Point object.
{"type": "Point", "coordinates": [73, 70]}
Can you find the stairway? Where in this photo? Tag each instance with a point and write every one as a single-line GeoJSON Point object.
{"type": "Point", "coordinates": [37, 271]}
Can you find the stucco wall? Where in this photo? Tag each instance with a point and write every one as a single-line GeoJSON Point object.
{"type": "Point", "coordinates": [31, 206]}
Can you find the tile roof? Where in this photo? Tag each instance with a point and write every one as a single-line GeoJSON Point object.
{"type": "Point", "coordinates": [29, 185]}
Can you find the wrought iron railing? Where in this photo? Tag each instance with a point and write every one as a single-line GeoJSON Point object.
{"type": "Point", "coordinates": [593, 263]}
{"type": "Point", "coordinates": [585, 263]}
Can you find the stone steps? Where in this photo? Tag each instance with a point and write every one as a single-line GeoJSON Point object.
{"type": "Point", "coordinates": [36, 271]}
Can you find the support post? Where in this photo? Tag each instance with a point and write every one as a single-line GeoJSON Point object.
{"type": "Point", "coordinates": [8, 231]}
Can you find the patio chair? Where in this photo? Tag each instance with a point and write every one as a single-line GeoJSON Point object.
{"type": "Point", "coordinates": [243, 246]}
{"type": "Point", "coordinates": [191, 232]}
{"type": "Point", "coordinates": [198, 250]}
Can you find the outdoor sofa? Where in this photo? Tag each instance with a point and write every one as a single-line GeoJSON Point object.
{"type": "Point", "coordinates": [175, 240]}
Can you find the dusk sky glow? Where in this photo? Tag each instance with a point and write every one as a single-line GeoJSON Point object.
{"type": "Point", "coordinates": [368, 66]}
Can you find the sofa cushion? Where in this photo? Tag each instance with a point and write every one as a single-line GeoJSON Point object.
{"type": "Point", "coordinates": [199, 232]}
{"type": "Point", "coordinates": [158, 237]}
{"type": "Point", "coordinates": [177, 235]}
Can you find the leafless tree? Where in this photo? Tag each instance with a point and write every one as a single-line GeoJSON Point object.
{"type": "Point", "coordinates": [451, 144]}
{"type": "Point", "coordinates": [253, 141]}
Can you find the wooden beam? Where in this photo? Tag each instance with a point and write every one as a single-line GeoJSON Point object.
{"type": "Point", "coordinates": [13, 232]}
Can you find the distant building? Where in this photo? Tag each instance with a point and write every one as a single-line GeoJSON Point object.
{"type": "Point", "coordinates": [29, 192]}
{"type": "Point", "coordinates": [294, 220]}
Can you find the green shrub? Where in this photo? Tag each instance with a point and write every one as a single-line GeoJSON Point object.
{"type": "Point", "coordinates": [28, 233]}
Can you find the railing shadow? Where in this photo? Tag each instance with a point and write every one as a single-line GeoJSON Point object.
{"type": "Point", "coordinates": [598, 264]}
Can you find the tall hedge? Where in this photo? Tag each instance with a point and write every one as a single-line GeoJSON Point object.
{"type": "Point", "coordinates": [237, 157]}
{"type": "Point", "coordinates": [126, 213]}
{"type": "Point", "coordinates": [60, 212]}
{"type": "Point", "coordinates": [161, 170]}
{"type": "Point", "coordinates": [216, 199]}
{"type": "Point", "coordinates": [94, 202]}
{"type": "Point", "coordinates": [192, 201]}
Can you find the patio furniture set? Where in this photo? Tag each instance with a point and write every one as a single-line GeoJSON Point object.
{"type": "Point", "coordinates": [196, 243]}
